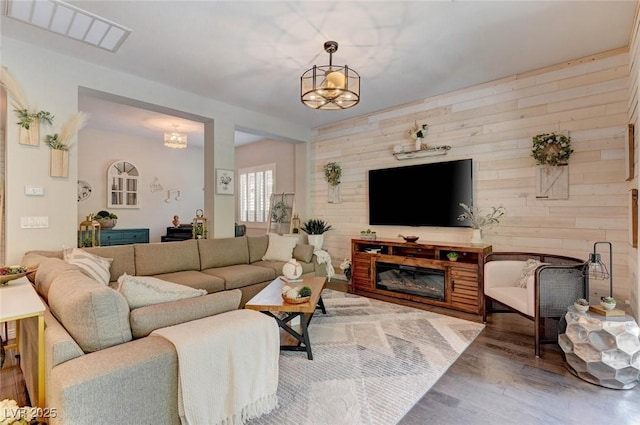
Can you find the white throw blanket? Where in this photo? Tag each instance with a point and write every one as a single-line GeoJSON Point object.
{"type": "Point", "coordinates": [227, 367]}
{"type": "Point", "coordinates": [324, 257]}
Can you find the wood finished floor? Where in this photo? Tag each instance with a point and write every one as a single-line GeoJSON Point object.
{"type": "Point", "coordinates": [496, 381]}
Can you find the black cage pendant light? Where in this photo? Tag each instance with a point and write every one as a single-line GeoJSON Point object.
{"type": "Point", "coordinates": [330, 86]}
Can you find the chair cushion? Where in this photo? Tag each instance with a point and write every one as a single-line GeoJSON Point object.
{"type": "Point", "coordinates": [513, 297]}
{"type": "Point", "coordinates": [140, 291]}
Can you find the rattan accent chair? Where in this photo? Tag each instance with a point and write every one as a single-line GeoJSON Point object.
{"type": "Point", "coordinates": [556, 285]}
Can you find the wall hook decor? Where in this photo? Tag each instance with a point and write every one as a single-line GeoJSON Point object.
{"type": "Point", "coordinates": [173, 194]}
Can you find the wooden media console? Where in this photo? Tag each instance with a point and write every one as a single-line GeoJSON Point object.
{"type": "Point", "coordinates": [421, 272]}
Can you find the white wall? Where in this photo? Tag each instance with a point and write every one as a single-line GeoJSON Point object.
{"type": "Point", "coordinates": [50, 82]}
{"type": "Point", "coordinates": [181, 169]}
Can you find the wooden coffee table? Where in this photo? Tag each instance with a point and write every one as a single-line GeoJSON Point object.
{"type": "Point", "coordinates": [269, 301]}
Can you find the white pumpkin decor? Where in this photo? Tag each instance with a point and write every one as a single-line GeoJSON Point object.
{"type": "Point", "coordinates": [292, 270]}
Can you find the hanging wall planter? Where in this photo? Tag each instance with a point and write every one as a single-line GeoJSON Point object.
{"type": "Point", "coordinates": [59, 144]}
{"type": "Point", "coordinates": [333, 173]}
{"type": "Point", "coordinates": [552, 152]}
{"type": "Point", "coordinates": [59, 163]}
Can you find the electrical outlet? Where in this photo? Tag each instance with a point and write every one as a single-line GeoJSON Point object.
{"type": "Point", "coordinates": [627, 302]}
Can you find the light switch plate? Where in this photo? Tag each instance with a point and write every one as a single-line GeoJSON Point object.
{"type": "Point", "coordinates": [34, 190]}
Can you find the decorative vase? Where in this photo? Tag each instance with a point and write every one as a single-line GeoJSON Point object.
{"type": "Point", "coordinates": [418, 143]}
{"type": "Point", "coordinates": [476, 237]}
{"type": "Point", "coordinates": [317, 241]}
{"type": "Point", "coordinates": [292, 269]}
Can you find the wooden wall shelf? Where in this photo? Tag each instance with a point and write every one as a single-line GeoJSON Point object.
{"type": "Point", "coordinates": [434, 151]}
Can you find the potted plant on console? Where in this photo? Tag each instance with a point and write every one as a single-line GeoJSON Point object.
{"type": "Point", "coordinates": [452, 256]}
{"type": "Point", "coordinates": [479, 222]}
{"type": "Point", "coordinates": [106, 219]}
{"type": "Point", "coordinates": [315, 228]}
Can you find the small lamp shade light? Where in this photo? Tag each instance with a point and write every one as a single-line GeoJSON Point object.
{"type": "Point", "coordinates": [89, 233]}
{"type": "Point", "coordinates": [597, 270]}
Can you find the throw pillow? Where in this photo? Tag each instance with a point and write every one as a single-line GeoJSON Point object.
{"type": "Point", "coordinates": [92, 265]}
{"type": "Point", "coordinates": [280, 248]}
{"type": "Point", "coordinates": [528, 271]}
{"type": "Point", "coordinates": [140, 291]}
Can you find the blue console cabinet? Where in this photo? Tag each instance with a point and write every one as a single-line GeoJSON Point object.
{"type": "Point", "coordinates": [109, 237]}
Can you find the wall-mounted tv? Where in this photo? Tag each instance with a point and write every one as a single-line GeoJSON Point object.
{"type": "Point", "coordinates": [421, 195]}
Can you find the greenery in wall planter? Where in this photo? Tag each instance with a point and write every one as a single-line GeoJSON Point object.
{"type": "Point", "coordinates": [551, 149]}
{"type": "Point", "coordinates": [60, 141]}
{"type": "Point", "coordinates": [333, 173]}
{"type": "Point", "coordinates": [27, 118]}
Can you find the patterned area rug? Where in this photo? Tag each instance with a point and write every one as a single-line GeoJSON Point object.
{"type": "Point", "coordinates": [372, 361]}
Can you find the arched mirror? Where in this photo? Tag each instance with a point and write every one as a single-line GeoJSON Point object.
{"type": "Point", "coordinates": [122, 185]}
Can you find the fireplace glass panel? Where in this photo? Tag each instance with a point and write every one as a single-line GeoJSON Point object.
{"type": "Point", "coordinates": [421, 281]}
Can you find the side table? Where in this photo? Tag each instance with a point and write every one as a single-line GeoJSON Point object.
{"type": "Point", "coordinates": [19, 300]}
{"type": "Point", "coordinates": [601, 350]}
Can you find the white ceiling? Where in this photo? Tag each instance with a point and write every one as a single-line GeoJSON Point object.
{"type": "Point", "coordinates": [252, 54]}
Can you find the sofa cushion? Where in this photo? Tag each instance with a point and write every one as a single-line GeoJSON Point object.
{"type": "Point", "coordinates": [94, 266]}
{"type": "Point", "coordinates": [280, 248]}
{"type": "Point", "coordinates": [223, 252]}
{"type": "Point", "coordinates": [47, 271]}
{"type": "Point", "coordinates": [242, 275]}
{"type": "Point", "coordinates": [96, 316]}
{"type": "Point", "coordinates": [276, 266]}
{"type": "Point", "coordinates": [145, 320]}
{"type": "Point", "coordinates": [303, 253]}
{"type": "Point", "coordinates": [140, 291]}
{"type": "Point", "coordinates": [123, 259]}
{"type": "Point", "coordinates": [195, 279]}
{"type": "Point", "coordinates": [157, 258]}
{"type": "Point", "coordinates": [257, 247]}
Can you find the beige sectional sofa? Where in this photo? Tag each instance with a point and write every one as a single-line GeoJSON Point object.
{"type": "Point", "coordinates": [102, 365]}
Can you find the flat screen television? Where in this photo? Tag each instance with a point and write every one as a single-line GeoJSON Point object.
{"type": "Point", "coordinates": [421, 195]}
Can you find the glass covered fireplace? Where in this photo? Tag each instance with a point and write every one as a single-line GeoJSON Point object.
{"type": "Point", "coordinates": [421, 281]}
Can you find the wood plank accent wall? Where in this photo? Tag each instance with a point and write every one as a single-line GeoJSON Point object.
{"type": "Point", "coordinates": [634, 118]}
{"type": "Point", "coordinates": [493, 123]}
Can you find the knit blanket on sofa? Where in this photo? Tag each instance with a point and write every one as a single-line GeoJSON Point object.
{"type": "Point", "coordinates": [227, 367]}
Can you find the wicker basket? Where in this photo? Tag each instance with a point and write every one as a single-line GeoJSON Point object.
{"type": "Point", "coordinates": [298, 300]}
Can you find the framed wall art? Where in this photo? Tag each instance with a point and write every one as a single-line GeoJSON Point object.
{"type": "Point", "coordinates": [629, 153]}
{"type": "Point", "coordinates": [225, 181]}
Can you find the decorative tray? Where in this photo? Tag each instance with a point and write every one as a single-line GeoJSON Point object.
{"type": "Point", "coordinates": [298, 300]}
{"type": "Point", "coordinates": [9, 273]}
